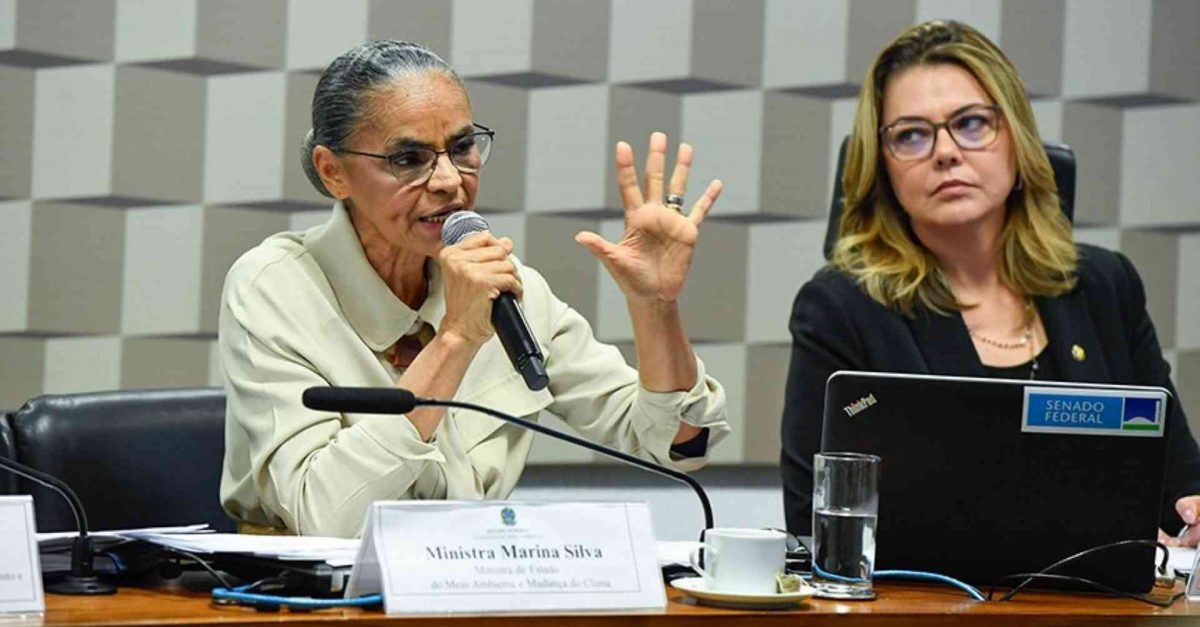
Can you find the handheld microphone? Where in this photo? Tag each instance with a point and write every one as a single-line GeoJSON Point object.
{"type": "Point", "coordinates": [507, 317]}
{"type": "Point", "coordinates": [400, 401]}
{"type": "Point", "coordinates": [82, 579]}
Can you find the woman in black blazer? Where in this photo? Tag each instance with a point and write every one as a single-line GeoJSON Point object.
{"type": "Point", "coordinates": [954, 258]}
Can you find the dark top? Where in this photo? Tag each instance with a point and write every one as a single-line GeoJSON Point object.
{"type": "Point", "coordinates": [836, 326]}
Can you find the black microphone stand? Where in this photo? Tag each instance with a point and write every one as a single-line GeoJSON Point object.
{"type": "Point", "coordinates": [603, 450]}
{"type": "Point", "coordinates": [82, 579]}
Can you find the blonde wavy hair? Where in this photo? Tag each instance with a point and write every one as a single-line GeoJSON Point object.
{"type": "Point", "coordinates": [876, 244]}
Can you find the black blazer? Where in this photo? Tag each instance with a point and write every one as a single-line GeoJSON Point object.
{"type": "Point", "coordinates": [836, 326]}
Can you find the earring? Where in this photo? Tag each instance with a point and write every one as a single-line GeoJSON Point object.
{"type": "Point", "coordinates": [1020, 184]}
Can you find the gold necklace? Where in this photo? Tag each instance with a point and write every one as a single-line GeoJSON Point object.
{"type": "Point", "coordinates": [1027, 339]}
{"type": "Point", "coordinates": [1026, 332]}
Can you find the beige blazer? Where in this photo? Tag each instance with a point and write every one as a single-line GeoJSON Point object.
{"type": "Point", "coordinates": [306, 309]}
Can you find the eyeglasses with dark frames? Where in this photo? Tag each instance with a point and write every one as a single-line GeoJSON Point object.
{"type": "Point", "coordinates": [912, 138]}
{"type": "Point", "coordinates": [415, 165]}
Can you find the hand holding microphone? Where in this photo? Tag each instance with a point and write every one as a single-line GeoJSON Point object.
{"type": "Point", "coordinates": [475, 260]}
{"type": "Point", "coordinates": [475, 271]}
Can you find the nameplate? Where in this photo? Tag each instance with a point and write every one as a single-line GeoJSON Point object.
{"type": "Point", "coordinates": [20, 573]}
{"type": "Point", "coordinates": [433, 557]}
{"type": "Point", "coordinates": [1134, 413]}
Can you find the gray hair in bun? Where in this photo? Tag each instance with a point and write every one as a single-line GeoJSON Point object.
{"type": "Point", "coordinates": [342, 93]}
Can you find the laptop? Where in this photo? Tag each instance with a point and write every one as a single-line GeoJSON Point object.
{"type": "Point", "coordinates": [983, 478]}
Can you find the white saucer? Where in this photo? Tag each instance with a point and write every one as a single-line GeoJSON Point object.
{"type": "Point", "coordinates": [694, 587]}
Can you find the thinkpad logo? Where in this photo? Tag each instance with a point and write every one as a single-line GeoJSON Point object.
{"type": "Point", "coordinates": [859, 405]}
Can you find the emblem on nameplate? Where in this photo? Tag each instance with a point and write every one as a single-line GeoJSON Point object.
{"type": "Point", "coordinates": [508, 516]}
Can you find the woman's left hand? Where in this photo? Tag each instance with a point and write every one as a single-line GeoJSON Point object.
{"type": "Point", "coordinates": [1188, 508]}
{"type": "Point", "coordinates": [651, 261]}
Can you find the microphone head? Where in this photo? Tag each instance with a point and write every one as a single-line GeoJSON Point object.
{"type": "Point", "coordinates": [359, 400]}
{"type": "Point", "coordinates": [460, 225]}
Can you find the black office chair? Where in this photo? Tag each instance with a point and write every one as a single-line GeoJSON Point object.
{"type": "Point", "coordinates": [1062, 160]}
{"type": "Point", "coordinates": [136, 458]}
{"type": "Point", "coordinates": [8, 450]}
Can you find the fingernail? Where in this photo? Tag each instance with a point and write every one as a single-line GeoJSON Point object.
{"type": "Point", "coordinates": [1189, 516]}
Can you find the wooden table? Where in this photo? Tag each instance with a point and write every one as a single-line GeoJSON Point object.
{"type": "Point", "coordinates": [897, 605]}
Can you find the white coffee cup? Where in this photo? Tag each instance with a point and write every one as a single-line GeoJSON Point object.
{"type": "Point", "coordinates": [740, 560]}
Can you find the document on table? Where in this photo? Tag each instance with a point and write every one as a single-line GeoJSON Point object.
{"type": "Point", "coordinates": [200, 539]}
{"type": "Point", "coordinates": [332, 551]}
{"type": "Point", "coordinates": [67, 535]}
{"type": "Point", "coordinates": [1181, 559]}
{"type": "Point", "coordinates": [675, 552]}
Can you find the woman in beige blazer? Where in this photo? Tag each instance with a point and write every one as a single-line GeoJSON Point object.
{"type": "Point", "coordinates": [373, 298]}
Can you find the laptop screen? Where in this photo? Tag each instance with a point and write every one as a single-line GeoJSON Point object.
{"type": "Point", "coordinates": [982, 478]}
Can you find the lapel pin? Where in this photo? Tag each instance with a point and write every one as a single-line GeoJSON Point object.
{"type": "Point", "coordinates": [1077, 352]}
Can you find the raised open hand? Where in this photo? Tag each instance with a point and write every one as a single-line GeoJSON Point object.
{"type": "Point", "coordinates": [652, 259]}
{"type": "Point", "coordinates": [475, 271]}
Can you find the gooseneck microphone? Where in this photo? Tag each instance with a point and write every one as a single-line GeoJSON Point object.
{"type": "Point", "coordinates": [507, 318]}
{"type": "Point", "coordinates": [82, 578]}
{"type": "Point", "coordinates": [400, 401]}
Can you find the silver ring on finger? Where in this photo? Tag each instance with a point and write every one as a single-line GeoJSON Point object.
{"type": "Point", "coordinates": [674, 202]}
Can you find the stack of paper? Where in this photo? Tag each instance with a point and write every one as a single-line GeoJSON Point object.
{"type": "Point", "coordinates": [202, 540]}
{"type": "Point", "coordinates": [1182, 559]}
{"type": "Point", "coordinates": [58, 536]}
{"type": "Point", "coordinates": [332, 551]}
{"type": "Point", "coordinates": [676, 552]}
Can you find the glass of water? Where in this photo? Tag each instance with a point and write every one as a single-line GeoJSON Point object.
{"type": "Point", "coordinates": [845, 509]}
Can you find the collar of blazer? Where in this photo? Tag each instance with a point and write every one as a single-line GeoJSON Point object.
{"type": "Point", "coordinates": [947, 348]}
